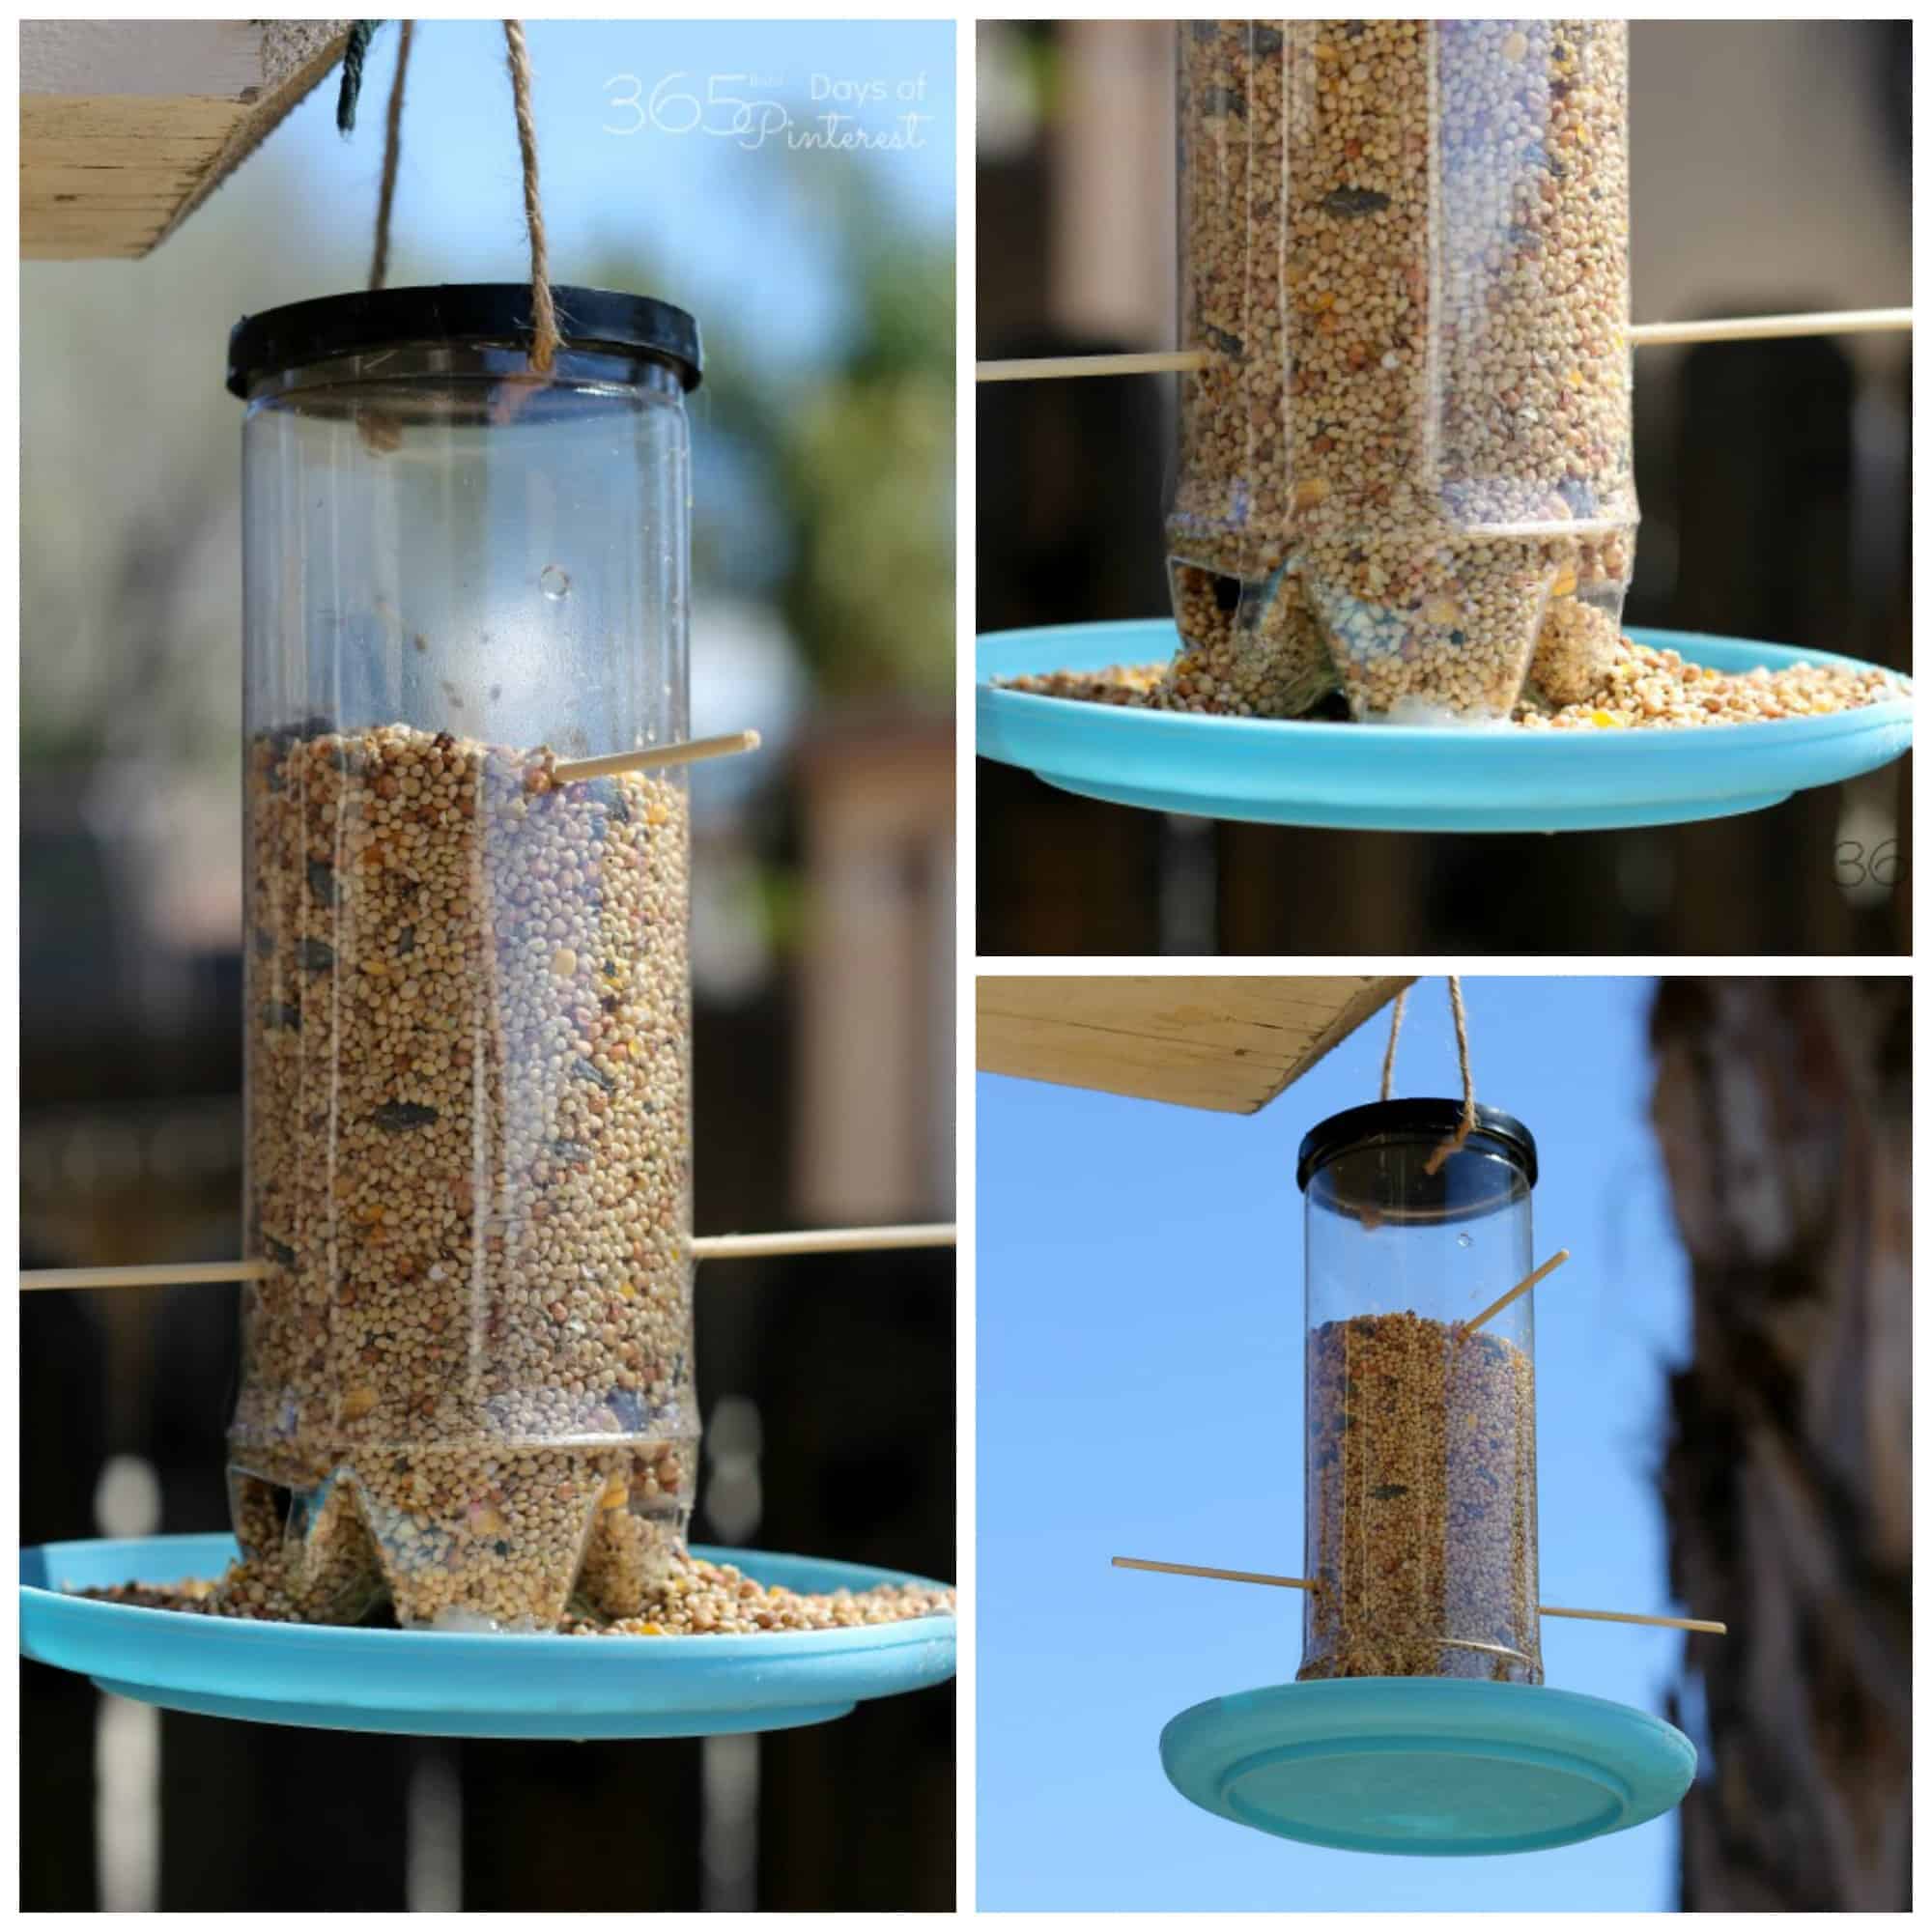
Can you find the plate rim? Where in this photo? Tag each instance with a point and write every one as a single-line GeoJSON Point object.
{"type": "Point", "coordinates": [1206, 1783]}
{"type": "Point", "coordinates": [1775, 657]}
{"type": "Point", "coordinates": [773, 1645]}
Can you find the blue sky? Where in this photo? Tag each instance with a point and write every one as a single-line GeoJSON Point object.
{"type": "Point", "coordinates": [1140, 1326]}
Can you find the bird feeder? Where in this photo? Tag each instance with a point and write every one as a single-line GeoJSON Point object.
{"type": "Point", "coordinates": [1419, 1722]}
{"type": "Point", "coordinates": [1420, 1521]}
{"type": "Point", "coordinates": [466, 1379]}
{"type": "Point", "coordinates": [1402, 493]}
{"type": "Point", "coordinates": [467, 1353]}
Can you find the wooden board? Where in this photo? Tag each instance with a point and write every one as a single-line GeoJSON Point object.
{"type": "Point", "coordinates": [127, 125]}
{"type": "Point", "coordinates": [1226, 1043]}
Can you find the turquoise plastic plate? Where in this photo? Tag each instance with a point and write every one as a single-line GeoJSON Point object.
{"type": "Point", "coordinates": [1394, 777]}
{"type": "Point", "coordinates": [1426, 1767]}
{"type": "Point", "coordinates": [428, 1684]}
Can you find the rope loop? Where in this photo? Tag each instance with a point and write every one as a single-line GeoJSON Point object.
{"type": "Point", "coordinates": [1467, 1126]}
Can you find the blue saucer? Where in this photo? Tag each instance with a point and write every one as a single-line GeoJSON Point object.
{"type": "Point", "coordinates": [429, 1683]}
{"type": "Point", "coordinates": [1396, 777]}
{"type": "Point", "coordinates": [1428, 1767]}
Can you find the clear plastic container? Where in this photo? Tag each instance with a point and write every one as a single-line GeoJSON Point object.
{"type": "Point", "coordinates": [1406, 472]}
{"type": "Point", "coordinates": [1421, 1477]}
{"type": "Point", "coordinates": [467, 1380]}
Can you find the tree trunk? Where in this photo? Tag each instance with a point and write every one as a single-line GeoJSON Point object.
{"type": "Point", "coordinates": [1784, 1111]}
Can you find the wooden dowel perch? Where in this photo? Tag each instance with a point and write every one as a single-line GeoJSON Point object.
{"type": "Point", "coordinates": [1769, 327]}
{"type": "Point", "coordinates": [1634, 1617]}
{"type": "Point", "coordinates": [824, 1241]}
{"type": "Point", "coordinates": [1640, 335]}
{"type": "Point", "coordinates": [1522, 1287]}
{"type": "Point", "coordinates": [704, 1248]}
{"type": "Point", "coordinates": [1220, 1576]}
{"type": "Point", "coordinates": [169, 1274]}
{"type": "Point", "coordinates": [654, 757]}
{"type": "Point", "coordinates": [1043, 368]}
{"type": "Point", "coordinates": [1307, 1583]}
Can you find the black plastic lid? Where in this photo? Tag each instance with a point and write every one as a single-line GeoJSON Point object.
{"type": "Point", "coordinates": [1412, 1121]}
{"type": "Point", "coordinates": [310, 331]}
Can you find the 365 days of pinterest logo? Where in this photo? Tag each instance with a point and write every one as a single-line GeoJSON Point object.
{"type": "Point", "coordinates": [844, 115]}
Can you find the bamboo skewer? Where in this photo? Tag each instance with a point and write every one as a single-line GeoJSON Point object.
{"type": "Point", "coordinates": [704, 1248]}
{"type": "Point", "coordinates": [824, 1241]}
{"type": "Point", "coordinates": [1640, 335]}
{"type": "Point", "coordinates": [159, 1274]}
{"type": "Point", "coordinates": [1522, 1287]}
{"type": "Point", "coordinates": [1220, 1576]}
{"type": "Point", "coordinates": [1772, 328]}
{"type": "Point", "coordinates": [1307, 1583]}
{"type": "Point", "coordinates": [1037, 368]}
{"type": "Point", "coordinates": [651, 757]}
{"type": "Point", "coordinates": [1634, 1617]}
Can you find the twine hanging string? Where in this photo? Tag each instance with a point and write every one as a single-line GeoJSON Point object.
{"type": "Point", "coordinates": [1454, 1145]}
{"type": "Point", "coordinates": [544, 336]}
{"type": "Point", "coordinates": [1467, 1126]}
{"type": "Point", "coordinates": [392, 154]}
{"type": "Point", "coordinates": [1395, 1033]}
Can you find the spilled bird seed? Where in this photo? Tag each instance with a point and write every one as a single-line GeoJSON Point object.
{"type": "Point", "coordinates": [692, 1598]}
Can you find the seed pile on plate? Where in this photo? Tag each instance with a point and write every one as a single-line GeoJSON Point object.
{"type": "Point", "coordinates": [1405, 245]}
{"type": "Point", "coordinates": [1420, 1503]}
{"type": "Point", "coordinates": [689, 1598]}
{"type": "Point", "coordinates": [1640, 687]}
{"type": "Point", "coordinates": [467, 1380]}
{"type": "Point", "coordinates": [1643, 685]}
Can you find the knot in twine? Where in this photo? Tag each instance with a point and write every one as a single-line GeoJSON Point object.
{"type": "Point", "coordinates": [1467, 1126]}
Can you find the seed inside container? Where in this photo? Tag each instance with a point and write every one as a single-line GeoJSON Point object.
{"type": "Point", "coordinates": [1407, 242]}
{"type": "Point", "coordinates": [1420, 1503]}
{"type": "Point", "coordinates": [466, 1383]}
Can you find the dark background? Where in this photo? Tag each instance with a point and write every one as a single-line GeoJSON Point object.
{"type": "Point", "coordinates": [1770, 173]}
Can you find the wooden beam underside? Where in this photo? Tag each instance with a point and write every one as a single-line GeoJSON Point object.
{"type": "Point", "coordinates": [1231, 1044]}
{"type": "Point", "coordinates": [127, 125]}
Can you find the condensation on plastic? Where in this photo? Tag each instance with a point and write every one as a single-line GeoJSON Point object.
{"type": "Point", "coordinates": [1406, 472]}
{"type": "Point", "coordinates": [468, 1381]}
{"type": "Point", "coordinates": [1420, 1526]}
